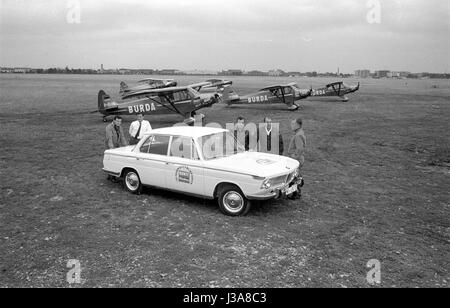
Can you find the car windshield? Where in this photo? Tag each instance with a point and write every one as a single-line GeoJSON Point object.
{"type": "Point", "coordinates": [220, 145]}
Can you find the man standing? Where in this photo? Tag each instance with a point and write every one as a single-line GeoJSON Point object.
{"type": "Point", "coordinates": [242, 135]}
{"type": "Point", "coordinates": [297, 148]}
{"type": "Point", "coordinates": [115, 137]}
{"type": "Point", "coordinates": [265, 139]}
{"type": "Point", "coordinates": [139, 128]}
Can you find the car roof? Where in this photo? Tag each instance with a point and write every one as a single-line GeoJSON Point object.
{"type": "Point", "coordinates": [188, 131]}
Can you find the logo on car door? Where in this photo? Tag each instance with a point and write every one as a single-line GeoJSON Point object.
{"type": "Point", "coordinates": [184, 175]}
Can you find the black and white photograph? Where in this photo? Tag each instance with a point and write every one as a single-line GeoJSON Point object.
{"type": "Point", "coordinates": [219, 151]}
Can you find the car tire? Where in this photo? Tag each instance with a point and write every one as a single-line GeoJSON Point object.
{"type": "Point", "coordinates": [132, 182]}
{"type": "Point", "coordinates": [232, 201]}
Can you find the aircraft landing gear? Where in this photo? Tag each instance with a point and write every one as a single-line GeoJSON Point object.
{"type": "Point", "coordinates": [105, 119]}
{"type": "Point", "coordinates": [294, 107]}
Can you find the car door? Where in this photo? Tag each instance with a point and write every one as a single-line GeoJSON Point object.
{"type": "Point", "coordinates": [151, 160]}
{"type": "Point", "coordinates": [184, 170]}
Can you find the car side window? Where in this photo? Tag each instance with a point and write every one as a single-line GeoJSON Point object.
{"type": "Point", "coordinates": [157, 145]}
{"type": "Point", "coordinates": [146, 145]}
{"type": "Point", "coordinates": [183, 147]}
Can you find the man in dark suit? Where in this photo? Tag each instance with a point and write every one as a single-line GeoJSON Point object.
{"type": "Point", "coordinates": [241, 134]}
{"type": "Point", "coordinates": [266, 138]}
{"type": "Point", "coordinates": [115, 138]}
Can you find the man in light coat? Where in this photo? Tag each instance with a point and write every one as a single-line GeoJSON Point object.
{"type": "Point", "coordinates": [138, 129]}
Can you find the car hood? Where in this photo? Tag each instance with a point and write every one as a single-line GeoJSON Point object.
{"type": "Point", "coordinates": [255, 164]}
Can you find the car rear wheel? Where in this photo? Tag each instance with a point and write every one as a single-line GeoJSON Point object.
{"type": "Point", "coordinates": [132, 182]}
{"type": "Point", "coordinates": [232, 201]}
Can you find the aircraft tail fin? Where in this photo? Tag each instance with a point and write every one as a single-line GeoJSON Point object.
{"type": "Point", "coordinates": [123, 88]}
{"type": "Point", "coordinates": [102, 96]}
{"type": "Point", "coordinates": [229, 95]}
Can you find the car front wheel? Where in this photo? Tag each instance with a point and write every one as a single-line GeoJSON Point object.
{"type": "Point", "coordinates": [232, 201]}
{"type": "Point", "coordinates": [132, 182]}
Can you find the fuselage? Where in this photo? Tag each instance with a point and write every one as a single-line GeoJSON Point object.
{"type": "Point", "coordinates": [182, 102]}
{"type": "Point", "coordinates": [284, 94]}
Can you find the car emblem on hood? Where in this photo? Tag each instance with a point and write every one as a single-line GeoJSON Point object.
{"type": "Point", "coordinates": [265, 162]}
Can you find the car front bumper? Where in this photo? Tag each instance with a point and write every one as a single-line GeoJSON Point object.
{"type": "Point", "coordinates": [276, 193]}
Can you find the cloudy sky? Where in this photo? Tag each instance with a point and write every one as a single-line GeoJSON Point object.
{"type": "Point", "coordinates": [301, 35]}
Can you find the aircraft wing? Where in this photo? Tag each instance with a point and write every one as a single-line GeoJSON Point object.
{"type": "Point", "coordinates": [211, 83]}
{"type": "Point", "coordinates": [334, 84]}
{"type": "Point", "coordinates": [198, 86]}
{"type": "Point", "coordinates": [156, 80]}
{"type": "Point", "coordinates": [278, 86]}
{"type": "Point", "coordinates": [219, 83]}
{"type": "Point", "coordinates": [272, 88]}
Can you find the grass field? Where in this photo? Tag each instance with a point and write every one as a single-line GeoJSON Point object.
{"type": "Point", "coordinates": [377, 187]}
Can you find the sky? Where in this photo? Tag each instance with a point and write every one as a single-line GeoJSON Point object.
{"type": "Point", "coordinates": [293, 35]}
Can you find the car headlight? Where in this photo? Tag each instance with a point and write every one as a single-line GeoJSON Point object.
{"type": "Point", "coordinates": [266, 184]}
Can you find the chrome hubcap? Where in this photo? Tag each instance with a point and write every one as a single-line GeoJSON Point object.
{"type": "Point", "coordinates": [233, 202]}
{"type": "Point", "coordinates": [132, 181]}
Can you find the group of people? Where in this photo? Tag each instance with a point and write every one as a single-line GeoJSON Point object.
{"type": "Point", "coordinates": [264, 139]}
{"type": "Point", "coordinates": [115, 137]}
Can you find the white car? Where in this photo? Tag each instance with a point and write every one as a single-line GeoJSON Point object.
{"type": "Point", "coordinates": [205, 162]}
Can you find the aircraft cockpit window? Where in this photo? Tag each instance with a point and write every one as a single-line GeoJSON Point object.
{"type": "Point", "coordinates": [288, 90]}
{"type": "Point", "coordinates": [181, 96]}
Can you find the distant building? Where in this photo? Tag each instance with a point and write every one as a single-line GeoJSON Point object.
{"type": "Point", "coordinates": [6, 70]}
{"type": "Point", "coordinates": [168, 72]}
{"type": "Point", "coordinates": [124, 71]}
{"type": "Point", "coordinates": [293, 74]}
{"type": "Point", "coordinates": [199, 72]}
{"type": "Point", "coordinates": [256, 73]}
{"type": "Point", "coordinates": [362, 73]}
{"type": "Point", "coordinates": [382, 74]}
{"type": "Point", "coordinates": [276, 73]}
{"type": "Point", "coordinates": [399, 74]}
{"type": "Point", "coordinates": [232, 73]}
{"type": "Point", "coordinates": [20, 70]}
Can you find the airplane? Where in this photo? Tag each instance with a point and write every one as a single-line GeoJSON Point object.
{"type": "Point", "coordinates": [183, 101]}
{"type": "Point", "coordinates": [211, 88]}
{"type": "Point", "coordinates": [145, 84]}
{"type": "Point", "coordinates": [335, 89]}
{"type": "Point", "coordinates": [210, 84]}
{"type": "Point", "coordinates": [287, 94]}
